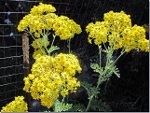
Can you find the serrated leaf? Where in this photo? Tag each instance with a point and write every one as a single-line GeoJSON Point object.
{"type": "Point", "coordinates": [53, 48]}
{"type": "Point", "coordinates": [60, 106]}
{"type": "Point", "coordinates": [96, 68]}
{"type": "Point", "coordinates": [99, 105]}
{"type": "Point", "coordinates": [77, 108]}
{"type": "Point", "coordinates": [91, 90]}
{"type": "Point", "coordinates": [87, 87]}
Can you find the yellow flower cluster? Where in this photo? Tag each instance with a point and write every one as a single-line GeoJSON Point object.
{"type": "Point", "coordinates": [42, 9]}
{"type": "Point", "coordinates": [42, 21]}
{"type": "Point", "coordinates": [97, 32]}
{"type": "Point", "coordinates": [38, 52]}
{"type": "Point", "coordinates": [117, 20]}
{"type": "Point", "coordinates": [18, 105]}
{"type": "Point", "coordinates": [42, 17]}
{"type": "Point", "coordinates": [115, 40]}
{"type": "Point", "coordinates": [66, 28]}
{"type": "Point", "coordinates": [51, 77]}
{"type": "Point", "coordinates": [37, 23]}
{"type": "Point", "coordinates": [117, 30]}
{"type": "Point", "coordinates": [135, 37]}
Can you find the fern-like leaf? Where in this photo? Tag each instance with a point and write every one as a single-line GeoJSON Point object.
{"type": "Point", "coordinates": [60, 106]}
{"type": "Point", "coordinates": [99, 105]}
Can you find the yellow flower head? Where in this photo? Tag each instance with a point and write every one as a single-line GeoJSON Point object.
{"type": "Point", "coordinates": [118, 21]}
{"type": "Point", "coordinates": [117, 30]}
{"type": "Point", "coordinates": [38, 52]}
{"type": "Point", "coordinates": [51, 77]}
{"type": "Point", "coordinates": [42, 20]}
{"type": "Point", "coordinates": [42, 9]}
{"type": "Point", "coordinates": [66, 28]}
{"type": "Point", "coordinates": [97, 32]}
{"type": "Point", "coordinates": [143, 45]}
{"type": "Point", "coordinates": [134, 37]}
{"type": "Point", "coordinates": [18, 105]}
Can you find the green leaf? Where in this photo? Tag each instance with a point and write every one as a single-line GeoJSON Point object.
{"type": "Point", "coordinates": [87, 87]}
{"type": "Point", "coordinates": [60, 106]}
{"type": "Point", "coordinates": [94, 66]}
{"type": "Point", "coordinates": [91, 90]}
{"type": "Point", "coordinates": [77, 108]}
{"type": "Point", "coordinates": [52, 49]}
{"type": "Point", "coordinates": [116, 72]}
{"type": "Point", "coordinates": [99, 105]}
{"type": "Point", "coordinates": [45, 41]}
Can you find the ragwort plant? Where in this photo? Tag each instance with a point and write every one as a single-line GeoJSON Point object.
{"type": "Point", "coordinates": [114, 33]}
{"type": "Point", "coordinates": [52, 76]}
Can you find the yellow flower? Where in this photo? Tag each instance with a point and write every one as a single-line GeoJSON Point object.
{"type": "Point", "coordinates": [18, 105]}
{"type": "Point", "coordinates": [97, 32]}
{"type": "Point", "coordinates": [38, 52]}
{"type": "Point", "coordinates": [64, 92]}
{"type": "Point", "coordinates": [117, 20]}
{"type": "Point", "coordinates": [66, 28]}
{"type": "Point", "coordinates": [117, 30]}
{"type": "Point", "coordinates": [134, 37]}
{"type": "Point", "coordinates": [53, 76]}
{"type": "Point", "coordinates": [143, 45]}
{"type": "Point", "coordinates": [115, 40]}
{"type": "Point", "coordinates": [42, 9]}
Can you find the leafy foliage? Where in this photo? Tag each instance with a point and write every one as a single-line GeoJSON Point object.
{"type": "Point", "coordinates": [91, 90]}
{"type": "Point", "coordinates": [53, 48]}
{"type": "Point", "coordinates": [96, 68]}
{"type": "Point", "coordinates": [77, 108]}
{"type": "Point", "coordinates": [60, 106]}
{"type": "Point", "coordinates": [99, 105]}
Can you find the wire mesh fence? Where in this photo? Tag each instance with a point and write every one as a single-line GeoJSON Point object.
{"type": "Point", "coordinates": [11, 71]}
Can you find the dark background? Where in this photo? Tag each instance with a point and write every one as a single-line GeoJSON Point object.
{"type": "Point", "coordinates": [129, 93]}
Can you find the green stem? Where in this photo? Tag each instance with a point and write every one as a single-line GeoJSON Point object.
{"type": "Point", "coordinates": [98, 82]}
{"type": "Point", "coordinates": [122, 52]}
{"type": "Point", "coordinates": [53, 40]}
{"type": "Point", "coordinates": [105, 46]}
{"type": "Point", "coordinates": [100, 51]}
{"type": "Point", "coordinates": [45, 34]}
{"type": "Point", "coordinates": [91, 98]}
{"type": "Point", "coordinates": [89, 103]}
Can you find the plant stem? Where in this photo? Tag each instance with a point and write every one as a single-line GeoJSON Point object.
{"type": "Point", "coordinates": [100, 51]}
{"type": "Point", "coordinates": [91, 98]}
{"type": "Point", "coordinates": [105, 46]}
{"type": "Point", "coordinates": [98, 82]}
{"type": "Point", "coordinates": [53, 40]}
{"type": "Point", "coordinates": [89, 103]}
{"type": "Point", "coordinates": [122, 52]}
